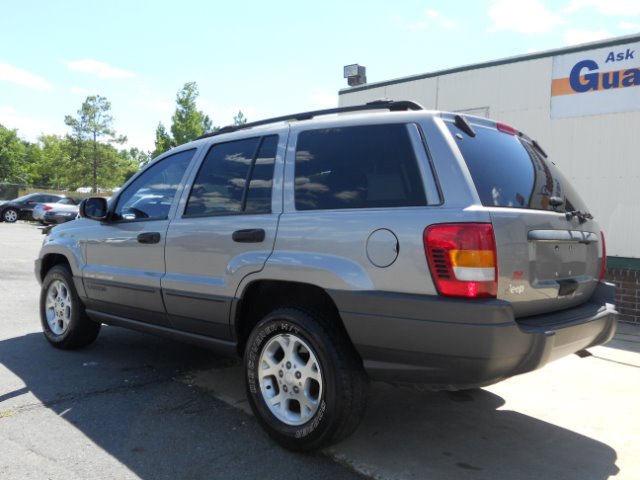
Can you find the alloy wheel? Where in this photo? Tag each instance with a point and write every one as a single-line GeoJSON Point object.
{"type": "Point", "coordinates": [290, 379]}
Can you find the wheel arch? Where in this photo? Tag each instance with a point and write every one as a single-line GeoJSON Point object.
{"type": "Point", "coordinates": [263, 296]}
{"type": "Point", "coordinates": [50, 260]}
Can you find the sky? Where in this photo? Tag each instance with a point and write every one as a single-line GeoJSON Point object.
{"type": "Point", "coordinates": [266, 58]}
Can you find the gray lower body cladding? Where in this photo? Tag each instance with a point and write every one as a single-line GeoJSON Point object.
{"type": "Point", "coordinates": [449, 344]}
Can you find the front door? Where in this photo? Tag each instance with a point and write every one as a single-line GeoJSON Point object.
{"type": "Point", "coordinates": [125, 256]}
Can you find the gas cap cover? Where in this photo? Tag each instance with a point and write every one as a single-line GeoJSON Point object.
{"type": "Point", "coordinates": [382, 248]}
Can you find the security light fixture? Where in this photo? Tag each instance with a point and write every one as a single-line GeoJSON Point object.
{"type": "Point", "coordinates": [355, 74]}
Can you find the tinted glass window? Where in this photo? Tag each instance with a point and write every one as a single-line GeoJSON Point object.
{"type": "Point", "coordinates": [151, 194]}
{"type": "Point", "coordinates": [509, 172]}
{"type": "Point", "coordinates": [357, 167]}
{"type": "Point", "coordinates": [259, 194]}
{"type": "Point", "coordinates": [24, 198]}
{"type": "Point", "coordinates": [220, 186]}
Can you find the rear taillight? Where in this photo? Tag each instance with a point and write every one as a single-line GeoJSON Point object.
{"type": "Point", "coordinates": [47, 208]}
{"type": "Point", "coordinates": [462, 258]}
{"type": "Point", "coordinates": [603, 266]}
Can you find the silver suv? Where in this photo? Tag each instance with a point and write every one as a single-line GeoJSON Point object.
{"type": "Point", "coordinates": [328, 248]}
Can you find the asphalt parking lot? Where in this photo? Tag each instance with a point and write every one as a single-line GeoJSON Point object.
{"type": "Point", "coordinates": [136, 406]}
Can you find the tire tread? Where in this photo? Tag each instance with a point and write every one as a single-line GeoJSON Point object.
{"type": "Point", "coordinates": [349, 375]}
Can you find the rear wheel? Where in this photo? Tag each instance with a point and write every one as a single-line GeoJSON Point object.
{"type": "Point", "coordinates": [10, 215]}
{"type": "Point", "coordinates": [305, 382]}
{"type": "Point", "coordinates": [64, 321]}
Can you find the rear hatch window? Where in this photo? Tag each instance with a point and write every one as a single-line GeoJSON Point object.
{"type": "Point", "coordinates": [546, 261]}
{"type": "Point", "coordinates": [509, 171]}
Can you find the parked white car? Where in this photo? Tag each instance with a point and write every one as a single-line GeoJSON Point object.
{"type": "Point", "coordinates": [66, 208]}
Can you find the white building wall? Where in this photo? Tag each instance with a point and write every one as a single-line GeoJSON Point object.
{"type": "Point", "coordinates": [600, 153]}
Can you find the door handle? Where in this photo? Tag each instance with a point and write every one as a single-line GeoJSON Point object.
{"type": "Point", "coordinates": [251, 235]}
{"type": "Point", "coordinates": [149, 237]}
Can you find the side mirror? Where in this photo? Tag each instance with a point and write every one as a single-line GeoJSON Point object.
{"type": "Point", "coordinates": [94, 208]}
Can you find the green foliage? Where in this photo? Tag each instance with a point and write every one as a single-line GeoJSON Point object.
{"type": "Point", "coordinates": [188, 122]}
{"type": "Point", "coordinates": [139, 157]}
{"type": "Point", "coordinates": [131, 161]}
{"type": "Point", "coordinates": [53, 163]}
{"type": "Point", "coordinates": [14, 155]}
{"type": "Point", "coordinates": [239, 119]}
{"type": "Point", "coordinates": [87, 155]}
{"type": "Point", "coordinates": [163, 141]}
{"type": "Point", "coordinates": [93, 159]}
{"type": "Point", "coordinates": [93, 120]}
{"type": "Point", "coordinates": [207, 125]}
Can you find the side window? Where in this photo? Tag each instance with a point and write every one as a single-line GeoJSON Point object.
{"type": "Point", "coordinates": [357, 167]}
{"type": "Point", "coordinates": [150, 195]}
{"type": "Point", "coordinates": [220, 187]}
{"type": "Point", "coordinates": [259, 193]}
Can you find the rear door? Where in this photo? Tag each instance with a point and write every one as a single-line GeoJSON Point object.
{"type": "Point", "coordinates": [225, 229]}
{"type": "Point", "coordinates": [548, 246]}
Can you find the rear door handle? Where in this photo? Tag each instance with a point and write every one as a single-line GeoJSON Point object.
{"type": "Point", "coordinates": [149, 237]}
{"type": "Point", "coordinates": [251, 235]}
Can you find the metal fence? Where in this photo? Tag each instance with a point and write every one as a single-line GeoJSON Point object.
{"type": "Point", "coordinates": [9, 191]}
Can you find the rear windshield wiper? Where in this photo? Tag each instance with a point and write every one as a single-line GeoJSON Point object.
{"type": "Point", "coordinates": [462, 124]}
{"type": "Point", "coordinates": [582, 216]}
{"type": "Point", "coordinates": [537, 146]}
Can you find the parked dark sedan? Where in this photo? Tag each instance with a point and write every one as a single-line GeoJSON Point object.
{"type": "Point", "coordinates": [21, 208]}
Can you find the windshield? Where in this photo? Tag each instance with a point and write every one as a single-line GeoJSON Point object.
{"type": "Point", "coordinates": [508, 171]}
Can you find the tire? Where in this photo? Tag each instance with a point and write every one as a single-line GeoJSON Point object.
{"type": "Point", "coordinates": [64, 321]}
{"type": "Point", "coordinates": [10, 215]}
{"type": "Point", "coordinates": [305, 382]}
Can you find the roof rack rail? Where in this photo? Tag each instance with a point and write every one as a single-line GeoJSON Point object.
{"type": "Point", "coordinates": [393, 106]}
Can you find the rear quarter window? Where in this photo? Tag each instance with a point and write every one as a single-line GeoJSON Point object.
{"type": "Point", "coordinates": [357, 167]}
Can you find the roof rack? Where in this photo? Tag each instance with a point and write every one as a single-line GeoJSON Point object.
{"type": "Point", "coordinates": [393, 106]}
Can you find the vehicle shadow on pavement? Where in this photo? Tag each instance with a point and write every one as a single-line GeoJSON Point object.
{"type": "Point", "coordinates": [121, 394]}
{"type": "Point", "coordinates": [134, 419]}
{"type": "Point", "coordinates": [465, 435]}
{"type": "Point", "coordinates": [627, 338]}
{"type": "Point", "coordinates": [407, 434]}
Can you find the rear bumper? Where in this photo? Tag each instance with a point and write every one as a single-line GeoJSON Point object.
{"type": "Point", "coordinates": [454, 343]}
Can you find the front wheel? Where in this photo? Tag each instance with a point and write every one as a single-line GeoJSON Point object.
{"type": "Point", "coordinates": [64, 321]}
{"type": "Point", "coordinates": [305, 383]}
{"type": "Point", "coordinates": [10, 215]}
